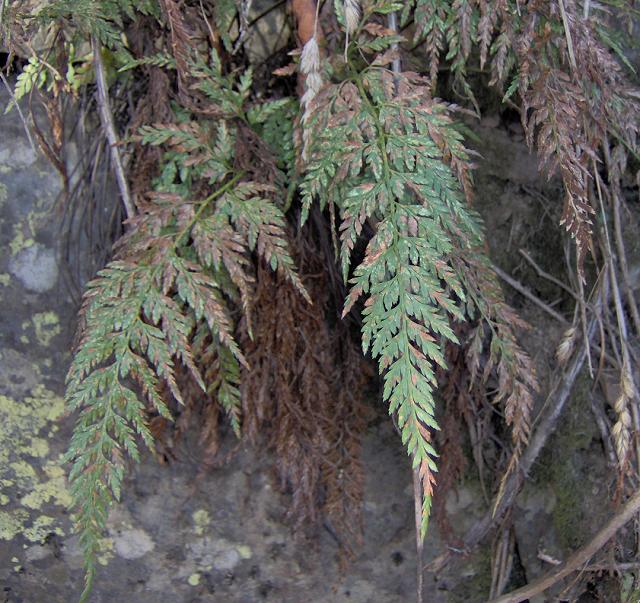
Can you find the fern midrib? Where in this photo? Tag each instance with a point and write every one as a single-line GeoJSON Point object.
{"type": "Point", "coordinates": [204, 204]}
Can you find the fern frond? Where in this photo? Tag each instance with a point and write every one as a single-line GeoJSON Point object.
{"type": "Point", "coordinates": [134, 330]}
{"type": "Point", "coordinates": [499, 352]}
{"type": "Point", "coordinates": [394, 174]}
{"type": "Point", "coordinates": [33, 75]}
{"type": "Point", "coordinates": [103, 20]}
{"type": "Point", "coordinates": [156, 60]}
{"type": "Point", "coordinates": [262, 224]}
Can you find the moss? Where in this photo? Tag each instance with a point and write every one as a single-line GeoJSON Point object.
{"type": "Point", "coordinates": [560, 467]}
{"type": "Point", "coordinates": [475, 587]}
{"type": "Point", "coordinates": [5, 279]}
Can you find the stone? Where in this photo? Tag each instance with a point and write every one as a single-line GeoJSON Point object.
{"type": "Point", "coordinates": [20, 154]}
{"type": "Point", "coordinates": [37, 552]}
{"type": "Point", "coordinates": [35, 267]}
{"type": "Point", "coordinates": [133, 544]}
{"type": "Point", "coordinates": [226, 560]}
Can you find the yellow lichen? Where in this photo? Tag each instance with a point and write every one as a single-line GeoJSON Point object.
{"type": "Point", "coordinates": [47, 326]}
{"type": "Point", "coordinates": [244, 551]}
{"type": "Point", "coordinates": [105, 550]}
{"type": "Point", "coordinates": [41, 527]}
{"type": "Point", "coordinates": [25, 467]}
{"type": "Point", "coordinates": [194, 579]}
{"type": "Point", "coordinates": [12, 523]}
{"type": "Point", "coordinates": [52, 490]}
{"type": "Point", "coordinates": [19, 241]}
{"type": "Point", "coordinates": [5, 279]}
{"type": "Point", "coordinates": [201, 520]}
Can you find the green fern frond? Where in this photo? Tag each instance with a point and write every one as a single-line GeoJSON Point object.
{"type": "Point", "coordinates": [181, 263]}
{"type": "Point", "coordinates": [101, 19]}
{"type": "Point", "coordinates": [224, 12]}
{"type": "Point", "coordinates": [34, 75]}
{"type": "Point", "coordinates": [161, 59]}
{"type": "Point", "coordinates": [380, 158]}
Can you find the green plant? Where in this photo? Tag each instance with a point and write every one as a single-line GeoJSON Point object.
{"type": "Point", "coordinates": [250, 179]}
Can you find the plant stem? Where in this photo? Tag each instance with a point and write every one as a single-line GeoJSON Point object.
{"type": "Point", "coordinates": [579, 558]}
{"type": "Point", "coordinates": [204, 204]}
{"type": "Point", "coordinates": [106, 117]}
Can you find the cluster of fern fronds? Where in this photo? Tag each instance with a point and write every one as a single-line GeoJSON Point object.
{"type": "Point", "coordinates": [222, 295]}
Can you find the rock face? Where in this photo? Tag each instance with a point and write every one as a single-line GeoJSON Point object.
{"type": "Point", "coordinates": [35, 267]}
{"type": "Point", "coordinates": [183, 536]}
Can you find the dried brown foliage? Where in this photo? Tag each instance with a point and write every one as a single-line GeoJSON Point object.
{"type": "Point", "coordinates": [302, 397]}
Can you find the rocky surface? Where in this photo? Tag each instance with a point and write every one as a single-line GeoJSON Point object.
{"type": "Point", "coordinates": [184, 536]}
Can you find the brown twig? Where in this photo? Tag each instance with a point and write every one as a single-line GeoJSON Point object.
{"type": "Point", "coordinates": [520, 288]}
{"type": "Point", "coordinates": [619, 239]}
{"type": "Point", "coordinates": [546, 275]}
{"type": "Point", "coordinates": [622, 260]}
{"type": "Point", "coordinates": [417, 501]}
{"type": "Point", "coordinates": [579, 558]}
{"type": "Point", "coordinates": [503, 561]}
{"type": "Point", "coordinates": [612, 567]}
{"type": "Point", "coordinates": [605, 430]}
{"type": "Point", "coordinates": [620, 430]}
{"type": "Point", "coordinates": [106, 117]}
{"type": "Point", "coordinates": [567, 33]}
{"type": "Point", "coordinates": [554, 405]}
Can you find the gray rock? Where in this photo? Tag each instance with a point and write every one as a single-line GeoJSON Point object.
{"type": "Point", "coordinates": [226, 560]}
{"type": "Point", "coordinates": [37, 552]}
{"type": "Point", "coordinates": [36, 268]}
{"type": "Point", "coordinates": [20, 154]}
{"type": "Point", "coordinates": [133, 544]}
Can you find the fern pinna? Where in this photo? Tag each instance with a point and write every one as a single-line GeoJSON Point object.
{"type": "Point", "coordinates": [181, 262]}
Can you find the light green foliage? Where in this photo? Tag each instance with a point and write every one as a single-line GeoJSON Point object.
{"type": "Point", "coordinates": [157, 60]}
{"type": "Point", "coordinates": [376, 158]}
{"type": "Point", "coordinates": [101, 19]}
{"type": "Point", "coordinates": [33, 75]}
{"type": "Point", "coordinates": [182, 260]}
{"type": "Point", "coordinates": [274, 122]}
{"type": "Point", "coordinates": [225, 13]}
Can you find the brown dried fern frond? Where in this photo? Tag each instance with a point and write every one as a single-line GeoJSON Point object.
{"type": "Point", "coordinates": [494, 349]}
{"type": "Point", "coordinates": [572, 104]}
{"type": "Point", "coordinates": [302, 397]}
